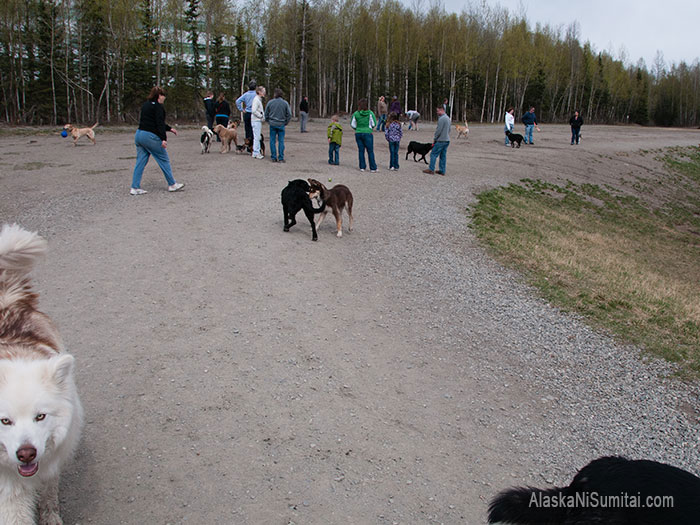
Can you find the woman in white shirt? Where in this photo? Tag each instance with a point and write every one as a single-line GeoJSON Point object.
{"type": "Point", "coordinates": [510, 122]}
{"type": "Point", "coordinates": [257, 117]}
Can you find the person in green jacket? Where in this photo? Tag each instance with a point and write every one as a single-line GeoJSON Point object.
{"type": "Point", "coordinates": [363, 122]}
{"type": "Point", "coordinates": [335, 138]}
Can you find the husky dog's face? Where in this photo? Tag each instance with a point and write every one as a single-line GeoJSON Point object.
{"type": "Point", "coordinates": [35, 410]}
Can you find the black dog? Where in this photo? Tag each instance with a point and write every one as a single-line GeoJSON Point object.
{"type": "Point", "coordinates": [418, 148]}
{"type": "Point", "coordinates": [295, 197]}
{"type": "Point", "coordinates": [514, 137]}
{"type": "Point", "coordinates": [249, 145]}
{"type": "Point", "coordinates": [647, 492]}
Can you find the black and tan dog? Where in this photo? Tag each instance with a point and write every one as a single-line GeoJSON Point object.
{"type": "Point", "coordinates": [418, 148]}
{"type": "Point", "coordinates": [295, 197]}
{"type": "Point", "coordinates": [514, 138]}
{"type": "Point", "coordinates": [337, 198]}
{"type": "Point", "coordinates": [249, 145]}
{"type": "Point", "coordinates": [656, 494]}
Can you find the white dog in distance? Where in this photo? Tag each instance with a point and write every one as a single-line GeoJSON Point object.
{"type": "Point", "coordinates": [40, 412]}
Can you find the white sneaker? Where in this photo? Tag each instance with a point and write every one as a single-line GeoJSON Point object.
{"type": "Point", "coordinates": [137, 191]}
{"type": "Point", "coordinates": [374, 171]}
{"type": "Point", "coordinates": [258, 156]}
{"type": "Point", "coordinates": [392, 168]}
{"type": "Point", "coordinates": [177, 186]}
{"type": "Point", "coordinates": [362, 170]}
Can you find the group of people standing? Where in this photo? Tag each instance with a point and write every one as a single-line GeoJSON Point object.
{"type": "Point", "coordinates": [529, 119]}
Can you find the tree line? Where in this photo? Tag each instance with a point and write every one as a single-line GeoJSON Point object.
{"type": "Point", "coordinates": [95, 60]}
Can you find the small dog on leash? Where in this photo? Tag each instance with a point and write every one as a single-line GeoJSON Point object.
{"type": "Point", "coordinates": [205, 139]}
{"type": "Point", "coordinates": [227, 135]}
{"type": "Point", "coordinates": [418, 148]}
{"type": "Point", "coordinates": [40, 412]}
{"type": "Point", "coordinates": [76, 133]}
{"type": "Point", "coordinates": [514, 138]}
{"type": "Point", "coordinates": [338, 198]}
{"type": "Point", "coordinates": [462, 131]}
{"type": "Point", "coordinates": [645, 485]}
{"type": "Point", "coordinates": [249, 145]}
{"type": "Point", "coordinates": [295, 197]}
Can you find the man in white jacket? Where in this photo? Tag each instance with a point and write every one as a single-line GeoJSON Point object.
{"type": "Point", "coordinates": [256, 119]}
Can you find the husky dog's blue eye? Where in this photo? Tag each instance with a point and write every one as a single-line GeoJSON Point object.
{"type": "Point", "coordinates": [5, 421]}
{"type": "Point", "coordinates": [40, 417]}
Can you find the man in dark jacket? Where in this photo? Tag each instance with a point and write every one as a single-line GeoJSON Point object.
{"type": "Point", "coordinates": [576, 122]}
{"type": "Point", "coordinates": [209, 108]}
{"type": "Point", "coordinates": [530, 121]}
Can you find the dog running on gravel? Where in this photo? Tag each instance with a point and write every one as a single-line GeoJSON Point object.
{"type": "Point", "coordinates": [205, 139]}
{"type": "Point", "coordinates": [514, 138]}
{"type": "Point", "coordinates": [337, 198]}
{"type": "Point", "coordinates": [76, 133]}
{"type": "Point", "coordinates": [295, 197]}
{"type": "Point", "coordinates": [227, 135]}
{"type": "Point", "coordinates": [646, 492]}
{"type": "Point", "coordinates": [40, 412]}
{"type": "Point", "coordinates": [418, 148]}
{"type": "Point", "coordinates": [462, 131]}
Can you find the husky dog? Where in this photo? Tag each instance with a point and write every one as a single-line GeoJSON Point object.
{"type": "Point", "coordinates": [40, 412]}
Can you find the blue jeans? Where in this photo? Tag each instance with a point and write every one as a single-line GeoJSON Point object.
{"type": "Point", "coordinates": [382, 123]}
{"type": "Point", "coordinates": [303, 119]}
{"type": "Point", "coordinates": [148, 144]}
{"type": "Point", "coordinates": [440, 149]}
{"type": "Point", "coordinates": [575, 132]}
{"type": "Point", "coordinates": [365, 141]}
{"type": "Point", "coordinates": [394, 155]}
{"type": "Point", "coordinates": [506, 129]}
{"type": "Point", "coordinates": [333, 153]}
{"type": "Point", "coordinates": [276, 133]}
{"type": "Point", "coordinates": [528, 133]}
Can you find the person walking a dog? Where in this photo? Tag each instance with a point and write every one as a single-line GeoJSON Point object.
{"type": "Point", "coordinates": [244, 103]}
{"type": "Point", "coordinates": [575, 122]}
{"type": "Point", "coordinates": [530, 121]}
{"type": "Point", "coordinates": [150, 139]}
{"type": "Point", "coordinates": [303, 113]}
{"type": "Point", "coordinates": [510, 122]}
{"type": "Point", "coordinates": [441, 141]}
{"type": "Point", "coordinates": [363, 122]}
{"type": "Point", "coordinates": [335, 139]}
{"type": "Point", "coordinates": [209, 108]}
{"type": "Point", "coordinates": [257, 116]}
{"type": "Point", "coordinates": [381, 113]}
{"type": "Point", "coordinates": [393, 135]}
{"type": "Point", "coordinates": [277, 114]}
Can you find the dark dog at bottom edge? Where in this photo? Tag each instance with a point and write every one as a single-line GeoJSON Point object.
{"type": "Point", "coordinates": [609, 490]}
{"type": "Point", "coordinates": [295, 197]}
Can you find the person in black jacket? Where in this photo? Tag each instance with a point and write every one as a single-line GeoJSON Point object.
{"type": "Point", "coordinates": [222, 112]}
{"type": "Point", "coordinates": [150, 140]}
{"type": "Point", "coordinates": [576, 122]}
{"type": "Point", "coordinates": [209, 109]}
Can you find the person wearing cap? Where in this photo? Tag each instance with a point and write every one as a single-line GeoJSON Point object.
{"type": "Point", "coordinates": [244, 103]}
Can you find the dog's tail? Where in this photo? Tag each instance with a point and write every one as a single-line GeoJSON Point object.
{"type": "Point", "coordinates": [95, 125]}
{"type": "Point", "coordinates": [529, 506]}
{"type": "Point", "coordinates": [319, 210]}
{"type": "Point", "coordinates": [19, 249]}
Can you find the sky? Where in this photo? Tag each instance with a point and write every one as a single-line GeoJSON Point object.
{"type": "Point", "coordinates": [638, 29]}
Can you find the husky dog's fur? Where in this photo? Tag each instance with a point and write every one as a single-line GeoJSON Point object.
{"type": "Point", "coordinates": [40, 412]}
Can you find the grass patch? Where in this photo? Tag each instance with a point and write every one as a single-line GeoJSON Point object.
{"type": "Point", "coordinates": [630, 267]}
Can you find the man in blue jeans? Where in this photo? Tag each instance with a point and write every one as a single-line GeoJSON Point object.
{"type": "Point", "coordinates": [530, 121]}
{"type": "Point", "coordinates": [441, 141]}
{"type": "Point", "coordinates": [277, 114]}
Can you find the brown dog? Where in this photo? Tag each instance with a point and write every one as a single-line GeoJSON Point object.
{"type": "Point", "coordinates": [462, 130]}
{"type": "Point", "coordinates": [227, 135]}
{"type": "Point", "coordinates": [76, 133]}
{"type": "Point", "coordinates": [337, 198]}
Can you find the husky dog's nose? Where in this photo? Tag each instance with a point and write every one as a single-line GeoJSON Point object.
{"type": "Point", "coordinates": [26, 454]}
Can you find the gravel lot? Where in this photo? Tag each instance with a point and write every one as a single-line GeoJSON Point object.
{"type": "Point", "coordinates": [234, 373]}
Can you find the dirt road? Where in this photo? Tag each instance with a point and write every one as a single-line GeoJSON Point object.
{"type": "Point", "coordinates": [234, 373]}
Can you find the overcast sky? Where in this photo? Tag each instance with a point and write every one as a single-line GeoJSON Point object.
{"type": "Point", "coordinates": [638, 28]}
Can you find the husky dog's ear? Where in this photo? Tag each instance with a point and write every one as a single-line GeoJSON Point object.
{"type": "Point", "coordinates": [62, 368]}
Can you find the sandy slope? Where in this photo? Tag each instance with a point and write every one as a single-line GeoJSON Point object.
{"type": "Point", "coordinates": [234, 373]}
